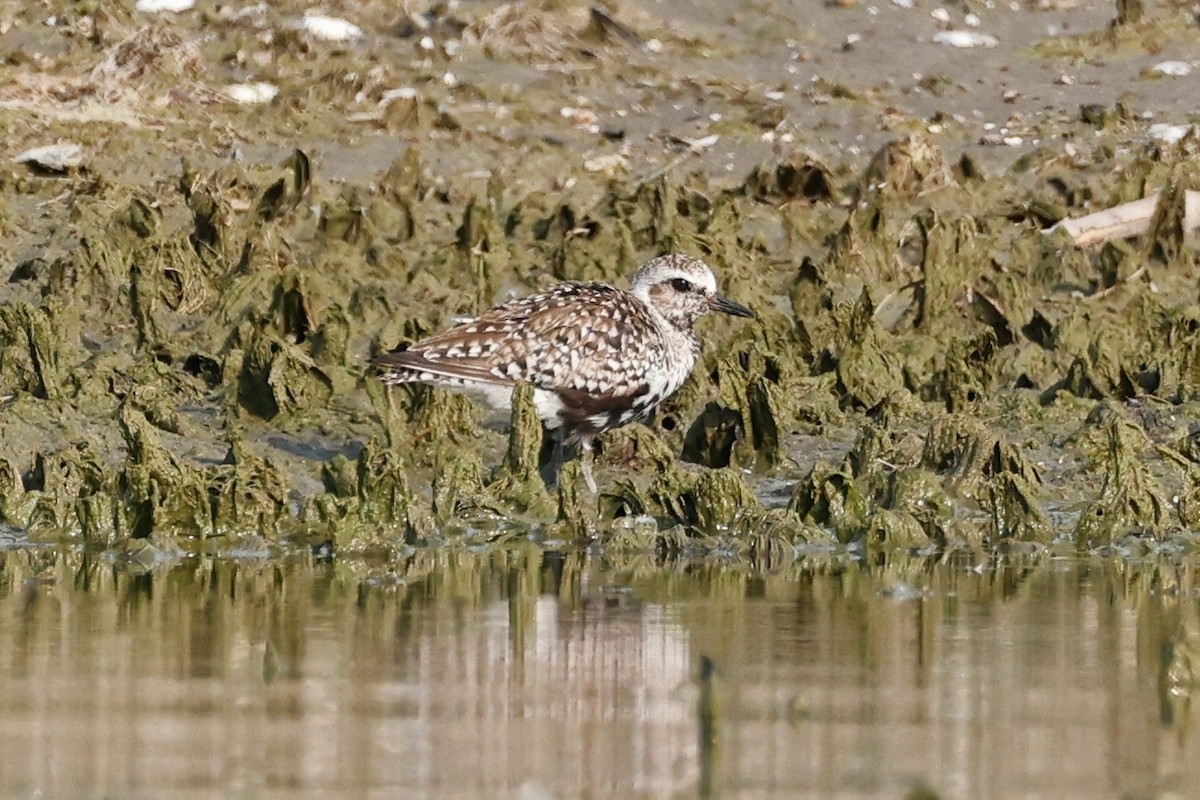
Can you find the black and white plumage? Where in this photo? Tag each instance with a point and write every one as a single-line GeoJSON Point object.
{"type": "Point", "coordinates": [598, 357]}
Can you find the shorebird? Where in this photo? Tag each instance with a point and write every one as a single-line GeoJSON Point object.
{"type": "Point", "coordinates": [598, 357]}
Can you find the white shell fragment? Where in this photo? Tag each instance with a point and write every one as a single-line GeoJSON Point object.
{"type": "Point", "coordinates": [403, 93]}
{"type": "Point", "coordinates": [610, 164]}
{"type": "Point", "coordinates": [1170, 134]}
{"type": "Point", "coordinates": [703, 143]}
{"type": "Point", "coordinates": [331, 29]}
{"type": "Point", "coordinates": [54, 157]}
{"type": "Point", "coordinates": [965, 39]}
{"type": "Point", "coordinates": [1172, 69]}
{"type": "Point", "coordinates": [157, 6]}
{"type": "Point", "coordinates": [251, 93]}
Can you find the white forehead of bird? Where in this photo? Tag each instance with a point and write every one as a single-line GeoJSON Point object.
{"type": "Point", "coordinates": [665, 269]}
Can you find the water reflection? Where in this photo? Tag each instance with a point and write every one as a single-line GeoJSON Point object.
{"type": "Point", "coordinates": [520, 673]}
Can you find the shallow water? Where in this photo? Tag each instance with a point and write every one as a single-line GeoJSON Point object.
{"type": "Point", "coordinates": [533, 674]}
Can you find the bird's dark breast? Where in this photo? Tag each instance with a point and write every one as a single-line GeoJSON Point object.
{"type": "Point", "coordinates": [586, 414]}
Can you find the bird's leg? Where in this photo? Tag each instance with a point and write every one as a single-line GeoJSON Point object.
{"type": "Point", "coordinates": [586, 457]}
{"type": "Point", "coordinates": [555, 443]}
{"type": "Point", "coordinates": [560, 437]}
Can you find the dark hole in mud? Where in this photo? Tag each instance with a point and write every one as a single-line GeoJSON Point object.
{"type": "Point", "coordinates": [1149, 381]}
{"type": "Point", "coordinates": [1064, 190]}
{"type": "Point", "coordinates": [824, 362]}
{"type": "Point", "coordinates": [876, 220]}
{"type": "Point", "coordinates": [1039, 330]}
{"type": "Point", "coordinates": [35, 479]}
{"type": "Point", "coordinates": [668, 423]}
{"type": "Point", "coordinates": [174, 288]}
{"type": "Point", "coordinates": [693, 202]}
{"type": "Point", "coordinates": [807, 181]}
{"type": "Point", "coordinates": [271, 203]}
{"type": "Point", "coordinates": [43, 171]}
{"type": "Point", "coordinates": [710, 439]}
{"type": "Point", "coordinates": [206, 368]}
{"type": "Point", "coordinates": [970, 169]}
{"type": "Point", "coordinates": [1094, 114]}
{"type": "Point", "coordinates": [296, 323]}
{"type": "Point", "coordinates": [771, 370]}
{"type": "Point", "coordinates": [565, 219]}
{"type": "Point", "coordinates": [990, 314]}
{"type": "Point", "coordinates": [26, 271]}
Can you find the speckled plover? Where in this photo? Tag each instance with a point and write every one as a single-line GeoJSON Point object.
{"type": "Point", "coordinates": [598, 357]}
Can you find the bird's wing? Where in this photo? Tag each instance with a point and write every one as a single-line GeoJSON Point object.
{"type": "Point", "coordinates": [576, 338]}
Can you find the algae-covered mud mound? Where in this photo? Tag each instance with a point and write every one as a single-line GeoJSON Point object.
{"type": "Point", "coordinates": [256, 207]}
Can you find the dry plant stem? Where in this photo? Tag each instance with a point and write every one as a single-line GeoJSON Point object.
{"type": "Point", "coordinates": [1126, 220]}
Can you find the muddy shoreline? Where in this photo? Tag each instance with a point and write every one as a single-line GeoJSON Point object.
{"type": "Point", "coordinates": [187, 315]}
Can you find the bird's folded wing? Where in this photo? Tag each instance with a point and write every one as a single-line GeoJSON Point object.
{"type": "Point", "coordinates": [585, 338]}
{"type": "Point", "coordinates": [417, 366]}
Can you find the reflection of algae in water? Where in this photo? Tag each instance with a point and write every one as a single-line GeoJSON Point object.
{"type": "Point", "coordinates": [709, 713]}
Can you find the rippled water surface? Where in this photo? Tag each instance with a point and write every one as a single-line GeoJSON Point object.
{"type": "Point", "coordinates": [531, 674]}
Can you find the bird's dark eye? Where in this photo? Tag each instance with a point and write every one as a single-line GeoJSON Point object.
{"type": "Point", "coordinates": [681, 285]}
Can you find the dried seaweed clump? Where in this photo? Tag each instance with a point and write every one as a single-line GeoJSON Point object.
{"type": "Point", "coordinates": [907, 167]}
{"type": "Point", "coordinates": [965, 485]}
{"type": "Point", "coordinates": [29, 351]}
{"type": "Point", "coordinates": [525, 29]}
{"type": "Point", "coordinates": [518, 480]}
{"type": "Point", "coordinates": [368, 503]}
{"type": "Point", "coordinates": [1131, 500]}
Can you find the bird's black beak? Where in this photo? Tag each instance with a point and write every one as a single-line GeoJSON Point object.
{"type": "Point", "coordinates": [727, 306]}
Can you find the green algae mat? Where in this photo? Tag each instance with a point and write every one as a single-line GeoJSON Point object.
{"type": "Point", "coordinates": [189, 311]}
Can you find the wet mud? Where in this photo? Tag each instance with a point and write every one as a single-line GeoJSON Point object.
{"type": "Point", "coordinates": [188, 314]}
